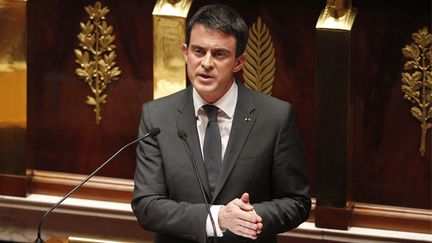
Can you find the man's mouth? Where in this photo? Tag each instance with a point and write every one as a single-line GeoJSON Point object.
{"type": "Point", "coordinates": [205, 76]}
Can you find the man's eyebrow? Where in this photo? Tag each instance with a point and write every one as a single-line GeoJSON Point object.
{"type": "Point", "coordinates": [221, 49]}
{"type": "Point", "coordinates": [196, 46]}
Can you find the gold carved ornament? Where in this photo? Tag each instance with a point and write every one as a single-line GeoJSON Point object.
{"type": "Point", "coordinates": [96, 57]}
{"type": "Point", "coordinates": [417, 80]}
{"type": "Point", "coordinates": [259, 68]}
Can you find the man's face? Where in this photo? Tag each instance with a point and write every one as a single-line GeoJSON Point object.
{"type": "Point", "coordinates": [211, 62]}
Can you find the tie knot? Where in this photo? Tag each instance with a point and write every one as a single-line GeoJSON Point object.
{"type": "Point", "coordinates": [211, 112]}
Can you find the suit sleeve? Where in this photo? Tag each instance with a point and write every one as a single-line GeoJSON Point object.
{"type": "Point", "coordinates": [150, 200]}
{"type": "Point", "coordinates": [291, 202]}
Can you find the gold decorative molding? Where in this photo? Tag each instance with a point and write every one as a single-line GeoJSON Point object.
{"type": "Point", "coordinates": [96, 58]}
{"type": "Point", "coordinates": [13, 66]}
{"type": "Point", "coordinates": [172, 8]}
{"type": "Point", "coordinates": [417, 80]}
{"type": "Point", "coordinates": [259, 69]}
{"type": "Point", "coordinates": [169, 31]}
{"type": "Point", "coordinates": [337, 14]}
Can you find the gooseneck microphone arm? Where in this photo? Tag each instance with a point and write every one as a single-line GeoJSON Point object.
{"type": "Point", "coordinates": [182, 135]}
{"type": "Point", "coordinates": [153, 132]}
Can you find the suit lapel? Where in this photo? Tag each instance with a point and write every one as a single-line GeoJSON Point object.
{"type": "Point", "coordinates": [243, 122]}
{"type": "Point", "coordinates": [186, 121]}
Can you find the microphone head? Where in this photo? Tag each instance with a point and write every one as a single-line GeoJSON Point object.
{"type": "Point", "coordinates": [181, 134]}
{"type": "Point", "coordinates": [154, 131]}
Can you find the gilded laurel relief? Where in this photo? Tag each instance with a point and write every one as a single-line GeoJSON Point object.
{"type": "Point", "coordinates": [259, 69]}
{"type": "Point", "coordinates": [417, 80]}
{"type": "Point", "coordinates": [96, 56]}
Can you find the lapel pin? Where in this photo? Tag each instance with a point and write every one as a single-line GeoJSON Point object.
{"type": "Point", "coordinates": [247, 119]}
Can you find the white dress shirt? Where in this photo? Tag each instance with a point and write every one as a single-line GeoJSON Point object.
{"type": "Point", "coordinates": [226, 105]}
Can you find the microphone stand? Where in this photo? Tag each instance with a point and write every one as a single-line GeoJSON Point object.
{"type": "Point", "coordinates": [153, 132]}
{"type": "Point", "coordinates": [182, 135]}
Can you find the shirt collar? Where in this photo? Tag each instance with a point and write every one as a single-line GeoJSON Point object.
{"type": "Point", "coordinates": [226, 103]}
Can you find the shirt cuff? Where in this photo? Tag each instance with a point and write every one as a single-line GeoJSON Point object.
{"type": "Point", "coordinates": [214, 210]}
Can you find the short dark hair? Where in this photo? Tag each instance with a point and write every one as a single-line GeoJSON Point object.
{"type": "Point", "coordinates": [222, 18]}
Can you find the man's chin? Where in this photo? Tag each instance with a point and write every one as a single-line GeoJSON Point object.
{"type": "Point", "coordinates": [204, 86]}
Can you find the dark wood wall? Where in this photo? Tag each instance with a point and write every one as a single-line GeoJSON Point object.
{"type": "Point", "coordinates": [62, 130]}
{"type": "Point", "coordinates": [387, 167]}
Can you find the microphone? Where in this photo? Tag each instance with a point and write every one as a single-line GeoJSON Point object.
{"type": "Point", "coordinates": [153, 132]}
{"type": "Point", "coordinates": [182, 134]}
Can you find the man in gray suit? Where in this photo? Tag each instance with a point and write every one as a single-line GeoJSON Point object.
{"type": "Point", "coordinates": [252, 168]}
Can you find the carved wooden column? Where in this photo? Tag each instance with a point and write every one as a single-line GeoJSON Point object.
{"type": "Point", "coordinates": [333, 34]}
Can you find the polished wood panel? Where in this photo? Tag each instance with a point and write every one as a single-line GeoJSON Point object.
{"type": "Point", "coordinates": [98, 187]}
{"type": "Point", "coordinates": [87, 218]}
{"type": "Point", "coordinates": [311, 236]}
{"type": "Point", "coordinates": [14, 185]}
{"type": "Point", "coordinates": [332, 107]}
{"type": "Point", "coordinates": [392, 218]}
{"type": "Point", "coordinates": [13, 149]}
{"type": "Point", "coordinates": [333, 217]}
{"type": "Point", "coordinates": [57, 239]}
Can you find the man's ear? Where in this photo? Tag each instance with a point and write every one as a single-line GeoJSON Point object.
{"type": "Point", "coordinates": [239, 62]}
{"type": "Point", "coordinates": [184, 51]}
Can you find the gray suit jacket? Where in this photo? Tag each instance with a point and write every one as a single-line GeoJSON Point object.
{"type": "Point", "coordinates": [263, 157]}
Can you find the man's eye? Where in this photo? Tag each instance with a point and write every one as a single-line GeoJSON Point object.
{"type": "Point", "coordinates": [219, 54]}
{"type": "Point", "coordinates": [198, 51]}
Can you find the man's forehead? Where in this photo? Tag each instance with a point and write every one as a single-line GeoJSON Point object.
{"type": "Point", "coordinates": [204, 35]}
{"type": "Point", "coordinates": [206, 28]}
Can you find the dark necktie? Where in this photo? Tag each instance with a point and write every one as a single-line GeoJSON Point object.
{"type": "Point", "coordinates": [212, 147]}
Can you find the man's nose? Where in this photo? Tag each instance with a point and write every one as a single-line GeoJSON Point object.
{"type": "Point", "coordinates": [207, 61]}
